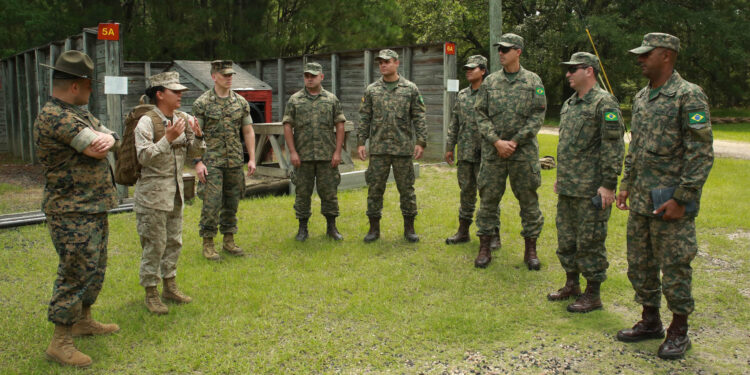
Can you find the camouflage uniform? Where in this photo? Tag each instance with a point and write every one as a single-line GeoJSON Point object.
{"type": "Point", "coordinates": [463, 132]}
{"type": "Point", "coordinates": [313, 119]}
{"type": "Point", "coordinates": [672, 146]}
{"type": "Point", "coordinates": [79, 191]}
{"type": "Point", "coordinates": [391, 120]}
{"type": "Point", "coordinates": [159, 195]}
{"type": "Point", "coordinates": [221, 120]}
{"type": "Point", "coordinates": [589, 154]}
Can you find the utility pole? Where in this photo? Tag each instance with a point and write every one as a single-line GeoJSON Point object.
{"type": "Point", "coordinates": [496, 30]}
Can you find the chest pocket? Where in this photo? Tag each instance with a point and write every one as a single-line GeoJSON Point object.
{"type": "Point", "coordinates": [324, 111]}
{"type": "Point", "coordinates": [522, 103]}
{"type": "Point", "coordinates": [664, 139]}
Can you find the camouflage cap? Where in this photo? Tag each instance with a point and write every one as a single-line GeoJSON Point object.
{"type": "Point", "coordinates": [386, 54]}
{"type": "Point", "coordinates": [475, 61]}
{"type": "Point", "coordinates": [583, 58]}
{"type": "Point", "coordinates": [75, 63]}
{"type": "Point", "coordinates": [169, 80]}
{"type": "Point", "coordinates": [313, 68]}
{"type": "Point", "coordinates": [653, 40]}
{"type": "Point", "coordinates": [222, 66]}
{"type": "Point", "coordinates": [510, 40]}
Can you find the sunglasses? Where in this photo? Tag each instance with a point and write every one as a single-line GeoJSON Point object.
{"type": "Point", "coordinates": [574, 68]}
{"type": "Point", "coordinates": [504, 49]}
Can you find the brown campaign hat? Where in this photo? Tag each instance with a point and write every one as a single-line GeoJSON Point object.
{"type": "Point", "coordinates": [222, 66]}
{"type": "Point", "coordinates": [75, 63]}
{"type": "Point", "coordinates": [169, 80]}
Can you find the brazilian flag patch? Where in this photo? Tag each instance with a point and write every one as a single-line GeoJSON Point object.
{"type": "Point", "coordinates": [697, 117]}
{"type": "Point", "coordinates": [611, 116]}
{"type": "Point", "coordinates": [540, 91]}
{"type": "Point", "coordinates": [421, 100]}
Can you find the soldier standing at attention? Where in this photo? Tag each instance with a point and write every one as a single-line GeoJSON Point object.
{"type": "Point", "coordinates": [222, 114]}
{"type": "Point", "coordinates": [79, 190]}
{"type": "Point", "coordinates": [589, 155]}
{"type": "Point", "coordinates": [670, 157]}
{"type": "Point", "coordinates": [463, 132]}
{"type": "Point", "coordinates": [314, 133]}
{"type": "Point", "coordinates": [164, 137]}
{"type": "Point", "coordinates": [510, 105]}
{"type": "Point", "coordinates": [392, 115]}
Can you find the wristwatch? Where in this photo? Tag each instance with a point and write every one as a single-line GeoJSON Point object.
{"type": "Point", "coordinates": [196, 160]}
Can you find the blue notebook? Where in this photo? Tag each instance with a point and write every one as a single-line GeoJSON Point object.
{"type": "Point", "coordinates": [659, 196]}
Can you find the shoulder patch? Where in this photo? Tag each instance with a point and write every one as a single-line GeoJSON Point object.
{"type": "Point", "coordinates": [421, 100]}
{"type": "Point", "coordinates": [697, 117]}
{"type": "Point", "coordinates": [540, 90]}
{"type": "Point", "coordinates": [611, 116]}
{"type": "Point", "coordinates": [363, 99]}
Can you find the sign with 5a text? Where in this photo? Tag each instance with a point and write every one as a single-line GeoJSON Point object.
{"type": "Point", "coordinates": [108, 31]}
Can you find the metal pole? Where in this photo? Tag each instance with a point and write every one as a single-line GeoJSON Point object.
{"type": "Point", "coordinates": [496, 30]}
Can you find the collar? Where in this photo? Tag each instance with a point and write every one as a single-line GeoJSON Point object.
{"type": "Point", "coordinates": [400, 81]}
{"type": "Point", "coordinates": [313, 97]}
{"type": "Point", "coordinates": [586, 98]}
{"type": "Point", "coordinates": [215, 96]}
{"type": "Point", "coordinates": [519, 76]}
{"type": "Point", "coordinates": [670, 87]}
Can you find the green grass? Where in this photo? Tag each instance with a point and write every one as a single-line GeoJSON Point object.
{"type": "Point", "coordinates": [730, 112]}
{"type": "Point", "coordinates": [732, 132]}
{"type": "Point", "coordinates": [387, 307]}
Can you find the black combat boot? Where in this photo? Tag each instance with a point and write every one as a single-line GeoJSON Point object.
{"type": "Point", "coordinates": [331, 230]}
{"type": "Point", "coordinates": [589, 300]}
{"type": "Point", "coordinates": [374, 232]}
{"type": "Point", "coordinates": [529, 255]}
{"type": "Point", "coordinates": [572, 288]}
{"type": "Point", "coordinates": [302, 232]}
{"type": "Point", "coordinates": [649, 327]}
{"type": "Point", "coordinates": [485, 255]}
{"type": "Point", "coordinates": [462, 235]}
{"type": "Point", "coordinates": [677, 342]}
{"type": "Point", "coordinates": [409, 233]}
{"type": "Point", "coordinates": [496, 243]}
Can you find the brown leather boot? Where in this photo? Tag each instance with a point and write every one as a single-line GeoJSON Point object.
{"type": "Point", "coordinates": [529, 255]}
{"type": "Point", "coordinates": [172, 293]}
{"type": "Point", "coordinates": [485, 255]}
{"type": "Point", "coordinates": [208, 249]}
{"type": "Point", "coordinates": [331, 230]}
{"type": "Point", "coordinates": [496, 243]}
{"type": "Point", "coordinates": [154, 303]}
{"type": "Point", "coordinates": [572, 288]}
{"type": "Point", "coordinates": [62, 350]}
{"type": "Point", "coordinates": [231, 247]}
{"type": "Point", "coordinates": [462, 235]}
{"type": "Point", "coordinates": [374, 232]}
{"type": "Point", "coordinates": [589, 300]}
{"type": "Point", "coordinates": [677, 342]}
{"type": "Point", "coordinates": [649, 327]}
{"type": "Point", "coordinates": [88, 326]}
{"type": "Point", "coordinates": [409, 232]}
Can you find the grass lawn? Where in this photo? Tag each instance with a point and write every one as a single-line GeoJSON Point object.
{"type": "Point", "coordinates": [387, 307]}
{"type": "Point", "coordinates": [732, 132]}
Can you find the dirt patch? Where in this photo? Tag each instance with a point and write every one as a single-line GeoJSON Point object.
{"type": "Point", "coordinates": [24, 175]}
{"type": "Point", "coordinates": [714, 263]}
{"type": "Point", "coordinates": [740, 234]}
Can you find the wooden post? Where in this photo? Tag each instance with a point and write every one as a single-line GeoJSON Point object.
{"type": "Point", "coordinates": [90, 50]}
{"type": "Point", "coordinates": [51, 62]}
{"type": "Point", "coordinates": [112, 67]}
{"type": "Point", "coordinates": [449, 72]}
{"type": "Point", "coordinates": [280, 89]}
{"type": "Point", "coordinates": [68, 44]}
{"type": "Point", "coordinates": [20, 125]}
{"type": "Point", "coordinates": [10, 106]}
{"type": "Point", "coordinates": [31, 109]}
{"type": "Point", "coordinates": [7, 103]}
{"type": "Point", "coordinates": [496, 31]}
{"type": "Point", "coordinates": [259, 69]}
{"type": "Point", "coordinates": [406, 62]}
{"type": "Point", "coordinates": [41, 91]}
{"type": "Point", "coordinates": [368, 67]}
{"type": "Point", "coordinates": [335, 74]}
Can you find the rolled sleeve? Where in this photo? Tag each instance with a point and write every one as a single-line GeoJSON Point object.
{"type": "Point", "coordinates": [83, 139]}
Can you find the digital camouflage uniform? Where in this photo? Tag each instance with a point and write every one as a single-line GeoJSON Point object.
{"type": "Point", "coordinates": [392, 120]}
{"type": "Point", "coordinates": [222, 120]}
{"type": "Point", "coordinates": [313, 119]}
{"type": "Point", "coordinates": [159, 195]}
{"type": "Point", "coordinates": [78, 192]}
{"type": "Point", "coordinates": [463, 132]}
{"type": "Point", "coordinates": [672, 146]}
{"type": "Point", "coordinates": [589, 155]}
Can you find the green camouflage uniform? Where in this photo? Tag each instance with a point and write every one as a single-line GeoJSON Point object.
{"type": "Point", "coordinates": [391, 120]}
{"type": "Point", "coordinates": [672, 146]}
{"type": "Point", "coordinates": [78, 192]}
{"type": "Point", "coordinates": [222, 120]}
{"type": "Point", "coordinates": [463, 132]}
{"type": "Point", "coordinates": [510, 110]}
{"type": "Point", "coordinates": [589, 155]}
{"type": "Point", "coordinates": [159, 195]}
{"type": "Point", "coordinates": [313, 119]}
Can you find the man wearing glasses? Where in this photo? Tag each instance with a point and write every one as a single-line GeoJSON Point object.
{"type": "Point", "coordinates": [589, 156]}
{"type": "Point", "coordinates": [510, 106]}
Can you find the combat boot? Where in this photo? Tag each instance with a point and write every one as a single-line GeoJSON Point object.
{"type": "Point", "coordinates": [589, 301]}
{"type": "Point", "coordinates": [62, 350]}
{"type": "Point", "coordinates": [462, 235]}
{"type": "Point", "coordinates": [154, 303]}
{"type": "Point", "coordinates": [409, 233]}
{"type": "Point", "coordinates": [374, 232]}
{"type": "Point", "coordinates": [208, 249]}
{"type": "Point", "coordinates": [649, 327]}
{"type": "Point", "coordinates": [331, 230]}
{"type": "Point", "coordinates": [496, 243]}
{"type": "Point", "coordinates": [677, 342]}
{"type": "Point", "coordinates": [88, 326]}
{"type": "Point", "coordinates": [485, 255]}
{"type": "Point", "coordinates": [572, 288]}
{"type": "Point", "coordinates": [172, 293]}
{"type": "Point", "coordinates": [302, 231]}
{"type": "Point", "coordinates": [529, 255]}
{"type": "Point", "coordinates": [231, 247]}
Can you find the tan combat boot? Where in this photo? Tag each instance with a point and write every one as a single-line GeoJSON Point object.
{"type": "Point", "coordinates": [88, 326]}
{"type": "Point", "coordinates": [154, 303]}
{"type": "Point", "coordinates": [208, 249]}
{"type": "Point", "coordinates": [231, 247]}
{"type": "Point", "coordinates": [172, 293]}
{"type": "Point", "coordinates": [62, 350]}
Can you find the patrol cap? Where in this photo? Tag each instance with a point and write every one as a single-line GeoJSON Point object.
{"type": "Point", "coordinates": [653, 40]}
{"type": "Point", "coordinates": [313, 68]}
{"type": "Point", "coordinates": [475, 61]}
{"type": "Point", "coordinates": [510, 40]}
{"type": "Point", "coordinates": [386, 54]}
{"type": "Point", "coordinates": [222, 66]}
{"type": "Point", "coordinates": [75, 63]}
{"type": "Point", "coordinates": [583, 58]}
{"type": "Point", "coordinates": [169, 80]}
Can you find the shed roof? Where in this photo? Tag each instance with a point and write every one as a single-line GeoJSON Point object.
{"type": "Point", "coordinates": [200, 72]}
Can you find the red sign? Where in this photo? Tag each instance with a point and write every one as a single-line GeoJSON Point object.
{"type": "Point", "coordinates": [450, 48]}
{"type": "Point", "coordinates": [108, 31]}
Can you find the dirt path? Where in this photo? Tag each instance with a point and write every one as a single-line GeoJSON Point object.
{"type": "Point", "coordinates": [724, 149]}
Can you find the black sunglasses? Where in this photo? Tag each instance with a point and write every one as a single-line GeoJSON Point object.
{"type": "Point", "coordinates": [574, 68]}
{"type": "Point", "coordinates": [504, 49]}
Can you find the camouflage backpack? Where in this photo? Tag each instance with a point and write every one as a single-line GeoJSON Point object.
{"type": "Point", "coordinates": [127, 168]}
